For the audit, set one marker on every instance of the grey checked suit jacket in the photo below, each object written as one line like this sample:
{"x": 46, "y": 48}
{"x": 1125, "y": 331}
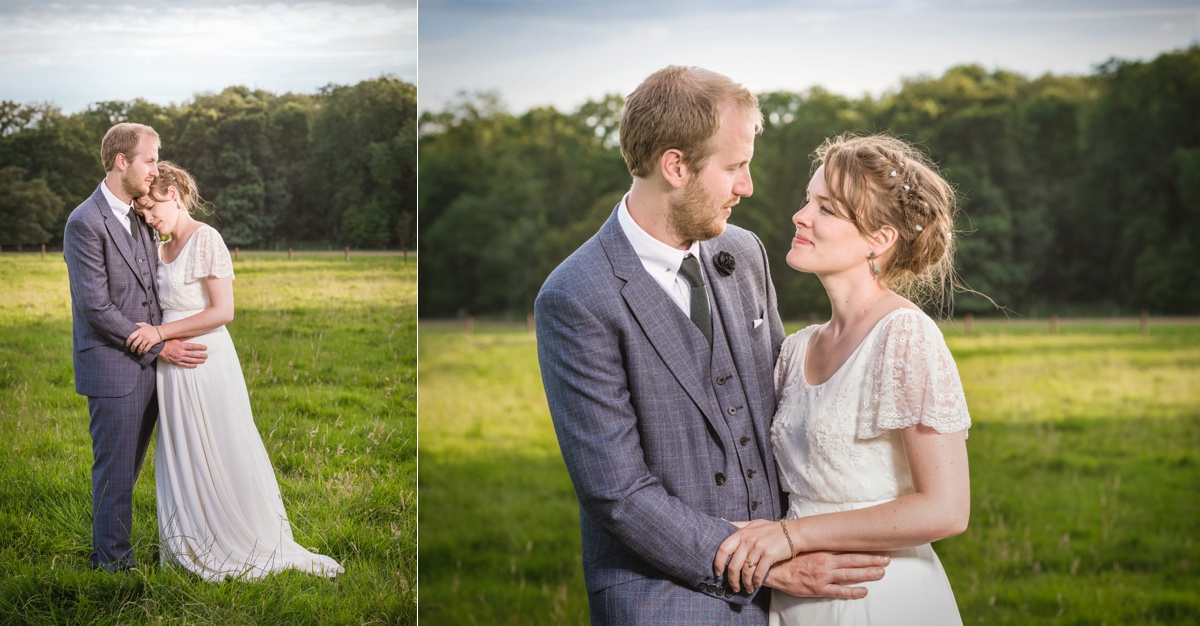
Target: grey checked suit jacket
{"x": 639, "y": 427}
{"x": 110, "y": 292}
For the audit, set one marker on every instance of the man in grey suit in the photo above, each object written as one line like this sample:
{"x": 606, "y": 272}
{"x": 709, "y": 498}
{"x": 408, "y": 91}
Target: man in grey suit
{"x": 657, "y": 341}
{"x": 112, "y": 267}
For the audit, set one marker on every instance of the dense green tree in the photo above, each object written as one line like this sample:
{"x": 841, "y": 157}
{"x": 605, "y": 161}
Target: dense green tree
{"x": 1077, "y": 193}
{"x": 53, "y": 148}
{"x": 29, "y": 210}
{"x": 362, "y": 164}
{"x": 333, "y": 168}
{"x": 1137, "y": 215}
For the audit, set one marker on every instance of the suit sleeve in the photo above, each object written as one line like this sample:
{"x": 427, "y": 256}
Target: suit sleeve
{"x": 588, "y": 393}
{"x": 88, "y": 276}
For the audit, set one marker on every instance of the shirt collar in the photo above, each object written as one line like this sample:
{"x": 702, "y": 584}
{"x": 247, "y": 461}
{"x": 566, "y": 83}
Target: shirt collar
{"x": 115, "y": 203}
{"x": 654, "y": 254}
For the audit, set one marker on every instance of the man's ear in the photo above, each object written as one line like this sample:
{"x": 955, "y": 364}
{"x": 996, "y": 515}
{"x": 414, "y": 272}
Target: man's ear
{"x": 672, "y": 168}
{"x": 121, "y": 161}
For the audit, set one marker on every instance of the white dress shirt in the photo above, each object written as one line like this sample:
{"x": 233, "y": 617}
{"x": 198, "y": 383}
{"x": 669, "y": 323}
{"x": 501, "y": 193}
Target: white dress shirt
{"x": 660, "y": 259}
{"x": 122, "y": 211}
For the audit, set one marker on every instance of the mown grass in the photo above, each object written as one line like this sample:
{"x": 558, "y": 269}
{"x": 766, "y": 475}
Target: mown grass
{"x": 328, "y": 348}
{"x": 1085, "y": 464}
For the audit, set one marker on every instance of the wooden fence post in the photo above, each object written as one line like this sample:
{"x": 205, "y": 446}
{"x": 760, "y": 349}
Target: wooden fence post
{"x": 469, "y": 326}
{"x": 1053, "y": 324}
{"x": 289, "y": 254}
{"x": 236, "y": 251}
{"x": 970, "y": 325}
{"x": 347, "y": 254}
{"x": 43, "y": 251}
{"x": 1145, "y": 322}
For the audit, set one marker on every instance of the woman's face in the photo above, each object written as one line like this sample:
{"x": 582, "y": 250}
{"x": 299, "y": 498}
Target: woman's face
{"x": 161, "y": 216}
{"x": 825, "y": 241}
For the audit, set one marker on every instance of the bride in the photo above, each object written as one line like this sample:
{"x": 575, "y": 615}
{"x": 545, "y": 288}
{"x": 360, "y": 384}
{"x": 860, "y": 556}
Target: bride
{"x": 220, "y": 513}
{"x": 870, "y": 433}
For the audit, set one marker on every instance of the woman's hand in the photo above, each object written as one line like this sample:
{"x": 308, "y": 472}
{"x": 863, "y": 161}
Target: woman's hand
{"x": 141, "y": 340}
{"x": 750, "y": 552}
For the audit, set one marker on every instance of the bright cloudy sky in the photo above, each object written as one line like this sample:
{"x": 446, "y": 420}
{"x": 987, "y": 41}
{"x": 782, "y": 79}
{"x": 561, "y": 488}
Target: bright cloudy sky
{"x": 564, "y": 52}
{"x": 75, "y": 52}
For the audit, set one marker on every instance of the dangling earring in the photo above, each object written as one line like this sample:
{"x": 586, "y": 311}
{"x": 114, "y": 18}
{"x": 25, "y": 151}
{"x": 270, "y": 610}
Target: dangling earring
{"x": 177, "y": 207}
{"x": 874, "y": 267}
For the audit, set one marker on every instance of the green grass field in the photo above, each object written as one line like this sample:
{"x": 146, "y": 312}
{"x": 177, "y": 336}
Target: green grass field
{"x": 1085, "y": 471}
{"x": 328, "y": 348}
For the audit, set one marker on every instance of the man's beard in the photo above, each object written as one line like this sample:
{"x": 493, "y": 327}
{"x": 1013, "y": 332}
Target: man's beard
{"x": 696, "y": 216}
{"x": 132, "y": 185}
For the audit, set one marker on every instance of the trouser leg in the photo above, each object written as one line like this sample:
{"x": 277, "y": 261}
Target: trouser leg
{"x": 120, "y": 429}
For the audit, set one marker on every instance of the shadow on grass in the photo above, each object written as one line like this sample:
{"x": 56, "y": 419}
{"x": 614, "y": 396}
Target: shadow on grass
{"x": 499, "y": 541}
{"x": 1076, "y": 522}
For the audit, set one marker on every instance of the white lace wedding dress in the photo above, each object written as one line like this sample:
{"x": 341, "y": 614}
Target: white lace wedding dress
{"x": 219, "y": 509}
{"x": 839, "y": 448}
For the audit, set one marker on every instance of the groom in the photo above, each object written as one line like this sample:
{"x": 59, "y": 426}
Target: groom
{"x": 112, "y": 267}
{"x": 657, "y": 340}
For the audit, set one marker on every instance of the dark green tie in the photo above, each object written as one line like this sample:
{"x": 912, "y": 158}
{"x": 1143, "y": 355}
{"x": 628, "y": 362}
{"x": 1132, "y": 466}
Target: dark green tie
{"x": 701, "y": 316}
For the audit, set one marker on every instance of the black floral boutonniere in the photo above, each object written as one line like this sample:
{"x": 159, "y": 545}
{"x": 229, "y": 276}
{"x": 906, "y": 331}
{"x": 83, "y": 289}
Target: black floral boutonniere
{"x": 724, "y": 262}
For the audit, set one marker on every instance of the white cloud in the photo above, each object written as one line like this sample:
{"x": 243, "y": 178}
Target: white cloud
{"x": 537, "y": 53}
{"x": 80, "y": 53}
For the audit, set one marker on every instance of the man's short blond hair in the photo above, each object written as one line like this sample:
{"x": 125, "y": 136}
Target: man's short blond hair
{"x": 679, "y": 108}
{"x": 123, "y": 139}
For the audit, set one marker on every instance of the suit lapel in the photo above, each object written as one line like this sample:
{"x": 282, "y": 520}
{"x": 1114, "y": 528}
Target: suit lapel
{"x": 734, "y": 304}
{"x": 658, "y": 317}
{"x": 117, "y": 232}
{"x": 146, "y": 239}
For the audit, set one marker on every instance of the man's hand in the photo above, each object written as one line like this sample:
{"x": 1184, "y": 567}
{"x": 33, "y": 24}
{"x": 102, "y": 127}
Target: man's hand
{"x": 827, "y": 574}
{"x": 187, "y": 355}
{"x": 141, "y": 340}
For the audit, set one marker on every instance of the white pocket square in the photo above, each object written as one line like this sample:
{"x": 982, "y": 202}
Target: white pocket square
{"x": 758, "y": 322}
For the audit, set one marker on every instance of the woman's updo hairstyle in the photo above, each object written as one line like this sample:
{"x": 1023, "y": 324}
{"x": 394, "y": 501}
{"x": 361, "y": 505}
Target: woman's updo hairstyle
{"x": 171, "y": 175}
{"x": 878, "y": 180}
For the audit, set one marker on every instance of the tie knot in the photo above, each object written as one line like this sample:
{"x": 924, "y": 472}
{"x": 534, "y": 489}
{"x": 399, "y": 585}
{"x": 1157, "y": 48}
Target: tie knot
{"x": 690, "y": 270}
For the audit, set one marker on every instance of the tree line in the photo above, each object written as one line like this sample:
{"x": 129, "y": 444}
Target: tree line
{"x": 337, "y": 167}
{"x": 1080, "y": 194}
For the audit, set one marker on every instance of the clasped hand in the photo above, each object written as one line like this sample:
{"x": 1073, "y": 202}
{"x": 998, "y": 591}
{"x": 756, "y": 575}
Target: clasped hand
{"x": 750, "y": 552}
{"x": 141, "y": 340}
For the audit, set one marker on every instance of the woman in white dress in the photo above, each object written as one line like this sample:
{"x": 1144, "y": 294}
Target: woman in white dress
{"x": 870, "y": 433}
{"x": 220, "y": 513}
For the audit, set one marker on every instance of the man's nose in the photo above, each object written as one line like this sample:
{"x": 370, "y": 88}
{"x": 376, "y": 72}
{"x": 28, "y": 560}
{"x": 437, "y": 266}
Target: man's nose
{"x": 744, "y": 186}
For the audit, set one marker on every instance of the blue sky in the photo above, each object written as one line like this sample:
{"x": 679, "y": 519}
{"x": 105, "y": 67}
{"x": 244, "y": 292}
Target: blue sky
{"x": 563, "y": 52}
{"x": 76, "y": 52}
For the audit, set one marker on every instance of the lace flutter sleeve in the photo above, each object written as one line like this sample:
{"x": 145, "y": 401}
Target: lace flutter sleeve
{"x": 209, "y": 256}
{"x": 912, "y": 379}
{"x": 788, "y": 353}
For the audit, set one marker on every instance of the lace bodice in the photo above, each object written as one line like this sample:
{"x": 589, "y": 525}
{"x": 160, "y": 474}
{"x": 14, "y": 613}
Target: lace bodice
{"x": 838, "y": 442}
{"x": 180, "y": 287}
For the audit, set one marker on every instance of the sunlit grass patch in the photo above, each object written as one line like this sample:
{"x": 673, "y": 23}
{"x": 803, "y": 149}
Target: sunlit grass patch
{"x": 328, "y": 348}
{"x": 1085, "y": 459}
